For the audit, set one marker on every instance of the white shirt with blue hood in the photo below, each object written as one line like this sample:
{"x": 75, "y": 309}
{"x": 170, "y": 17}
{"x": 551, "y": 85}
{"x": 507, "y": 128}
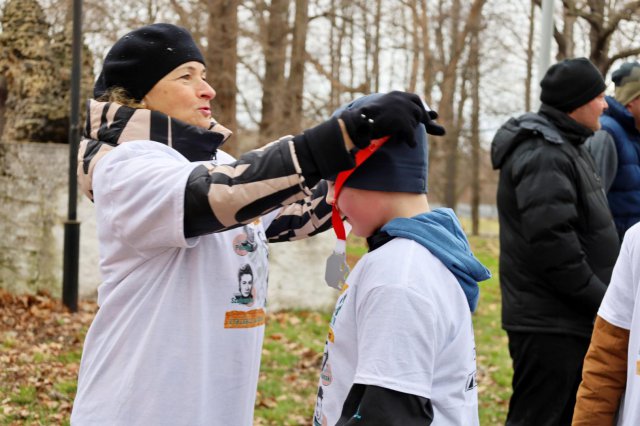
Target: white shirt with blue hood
{"x": 403, "y": 319}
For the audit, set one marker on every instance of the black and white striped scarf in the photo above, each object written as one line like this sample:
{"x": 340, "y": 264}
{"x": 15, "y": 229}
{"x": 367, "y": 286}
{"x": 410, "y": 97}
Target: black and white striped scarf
{"x": 110, "y": 124}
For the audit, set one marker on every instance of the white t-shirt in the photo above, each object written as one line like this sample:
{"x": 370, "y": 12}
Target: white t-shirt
{"x": 621, "y": 307}
{"x": 176, "y": 341}
{"x": 401, "y": 322}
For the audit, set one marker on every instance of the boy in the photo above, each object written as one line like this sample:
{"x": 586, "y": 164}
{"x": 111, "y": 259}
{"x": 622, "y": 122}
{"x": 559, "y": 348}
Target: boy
{"x": 401, "y": 349}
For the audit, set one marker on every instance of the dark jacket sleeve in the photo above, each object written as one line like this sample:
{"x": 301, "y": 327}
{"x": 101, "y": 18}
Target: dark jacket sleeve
{"x": 368, "y": 405}
{"x": 604, "y": 376}
{"x": 603, "y": 150}
{"x": 546, "y": 194}
{"x": 222, "y": 197}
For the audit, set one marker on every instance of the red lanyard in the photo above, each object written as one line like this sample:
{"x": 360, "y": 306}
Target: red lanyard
{"x": 361, "y": 156}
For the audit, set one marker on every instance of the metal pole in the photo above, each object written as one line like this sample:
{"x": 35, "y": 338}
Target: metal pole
{"x": 545, "y": 37}
{"x": 72, "y": 225}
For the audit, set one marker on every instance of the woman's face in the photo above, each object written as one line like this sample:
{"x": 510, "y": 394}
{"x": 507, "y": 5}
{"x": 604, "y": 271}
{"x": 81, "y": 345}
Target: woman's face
{"x": 246, "y": 285}
{"x": 183, "y": 94}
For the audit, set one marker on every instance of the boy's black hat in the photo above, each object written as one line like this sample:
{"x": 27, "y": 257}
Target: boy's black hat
{"x": 143, "y": 57}
{"x": 571, "y": 83}
{"x": 395, "y": 166}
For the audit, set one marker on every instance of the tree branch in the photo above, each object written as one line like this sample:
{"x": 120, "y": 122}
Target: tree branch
{"x": 362, "y": 88}
{"x": 623, "y": 54}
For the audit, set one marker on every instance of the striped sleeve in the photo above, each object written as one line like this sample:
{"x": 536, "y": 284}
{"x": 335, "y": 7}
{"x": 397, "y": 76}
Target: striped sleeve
{"x": 304, "y": 218}
{"x": 221, "y": 197}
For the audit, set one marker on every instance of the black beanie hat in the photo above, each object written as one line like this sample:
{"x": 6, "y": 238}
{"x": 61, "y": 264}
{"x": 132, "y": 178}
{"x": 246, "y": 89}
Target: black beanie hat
{"x": 571, "y": 83}
{"x": 143, "y": 57}
{"x": 395, "y": 166}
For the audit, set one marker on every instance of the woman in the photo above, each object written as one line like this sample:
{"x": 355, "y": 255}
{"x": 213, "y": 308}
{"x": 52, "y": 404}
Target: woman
{"x": 168, "y": 346}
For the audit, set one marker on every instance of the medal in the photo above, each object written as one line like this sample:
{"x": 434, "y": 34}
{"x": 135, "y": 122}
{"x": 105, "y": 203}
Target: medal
{"x": 337, "y": 269}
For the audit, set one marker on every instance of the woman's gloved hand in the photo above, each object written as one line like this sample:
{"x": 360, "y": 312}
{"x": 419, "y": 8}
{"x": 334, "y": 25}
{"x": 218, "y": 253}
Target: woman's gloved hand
{"x": 394, "y": 114}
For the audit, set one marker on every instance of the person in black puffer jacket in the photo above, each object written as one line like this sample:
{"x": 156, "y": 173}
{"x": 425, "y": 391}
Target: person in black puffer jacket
{"x": 558, "y": 241}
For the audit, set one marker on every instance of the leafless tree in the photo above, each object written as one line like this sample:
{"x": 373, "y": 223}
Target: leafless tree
{"x": 222, "y": 57}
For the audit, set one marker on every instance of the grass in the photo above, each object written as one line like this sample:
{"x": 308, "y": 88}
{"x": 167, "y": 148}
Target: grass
{"x": 493, "y": 361}
{"x": 289, "y": 372}
{"x": 38, "y": 381}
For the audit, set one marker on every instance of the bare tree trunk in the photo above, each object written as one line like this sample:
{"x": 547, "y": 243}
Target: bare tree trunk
{"x": 529, "y": 77}
{"x": 427, "y": 65}
{"x": 3, "y": 101}
{"x": 367, "y": 43}
{"x": 275, "y": 60}
{"x": 375, "y": 53}
{"x": 352, "y": 43}
{"x": 567, "y": 47}
{"x": 415, "y": 46}
{"x": 337, "y": 38}
{"x": 222, "y": 60}
{"x": 448, "y": 88}
{"x": 597, "y": 37}
{"x": 474, "y": 65}
{"x": 295, "y": 86}
{"x": 437, "y": 154}
{"x": 333, "y": 95}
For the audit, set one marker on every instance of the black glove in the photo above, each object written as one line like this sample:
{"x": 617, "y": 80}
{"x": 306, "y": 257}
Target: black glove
{"x": 395, "y": 114}
{"x": 358, "y": 126}
{"x": 432, "y": 127}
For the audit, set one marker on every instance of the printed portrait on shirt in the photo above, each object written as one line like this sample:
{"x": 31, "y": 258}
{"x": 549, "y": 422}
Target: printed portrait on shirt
{"x": 318, "y": 418}
{"x": 246, "y": 291}
{"x": 325, "y": 368}
{"x": 251, "y": 244}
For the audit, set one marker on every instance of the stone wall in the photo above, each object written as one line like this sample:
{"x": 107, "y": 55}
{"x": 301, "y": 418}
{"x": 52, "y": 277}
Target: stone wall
{"x": 296, "y": 278}
{"x": 33, "y": 209}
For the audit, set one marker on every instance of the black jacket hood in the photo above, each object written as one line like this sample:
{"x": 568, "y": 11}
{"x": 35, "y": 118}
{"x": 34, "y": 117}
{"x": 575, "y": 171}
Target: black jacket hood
{"x": 515, "y": 130}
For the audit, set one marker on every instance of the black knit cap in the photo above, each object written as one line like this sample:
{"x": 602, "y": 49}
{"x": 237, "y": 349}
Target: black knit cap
{"x": 571, "y": 83}
{"x": 395, "y": 166}
{"x": 143, "y": 57}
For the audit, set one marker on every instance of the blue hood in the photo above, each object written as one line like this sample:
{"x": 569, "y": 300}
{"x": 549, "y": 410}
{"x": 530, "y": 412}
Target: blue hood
{"x": 439, "y": 231}
{"x": 619, "y": 113}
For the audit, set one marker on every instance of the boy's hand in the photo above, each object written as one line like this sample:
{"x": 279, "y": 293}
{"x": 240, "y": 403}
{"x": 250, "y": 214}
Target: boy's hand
{"x": 395, "y": 114}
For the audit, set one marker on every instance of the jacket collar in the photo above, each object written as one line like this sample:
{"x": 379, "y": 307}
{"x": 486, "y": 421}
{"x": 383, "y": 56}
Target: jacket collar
{"x": 113, "y": 124}
{"x": 110, "y": 124}
{"x": 569, "y": 129}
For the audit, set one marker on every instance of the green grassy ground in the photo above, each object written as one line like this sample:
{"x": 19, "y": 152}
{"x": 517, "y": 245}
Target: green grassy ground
{"x": 494, "y": 363}
{"x": 40, "y": 348}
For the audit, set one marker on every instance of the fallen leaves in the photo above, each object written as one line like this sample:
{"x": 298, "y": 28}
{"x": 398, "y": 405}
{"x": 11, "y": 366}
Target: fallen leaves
{"x": 41, "y": 343}
{"x": 40, "y": 346}
{"x": 290, "y": 367}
